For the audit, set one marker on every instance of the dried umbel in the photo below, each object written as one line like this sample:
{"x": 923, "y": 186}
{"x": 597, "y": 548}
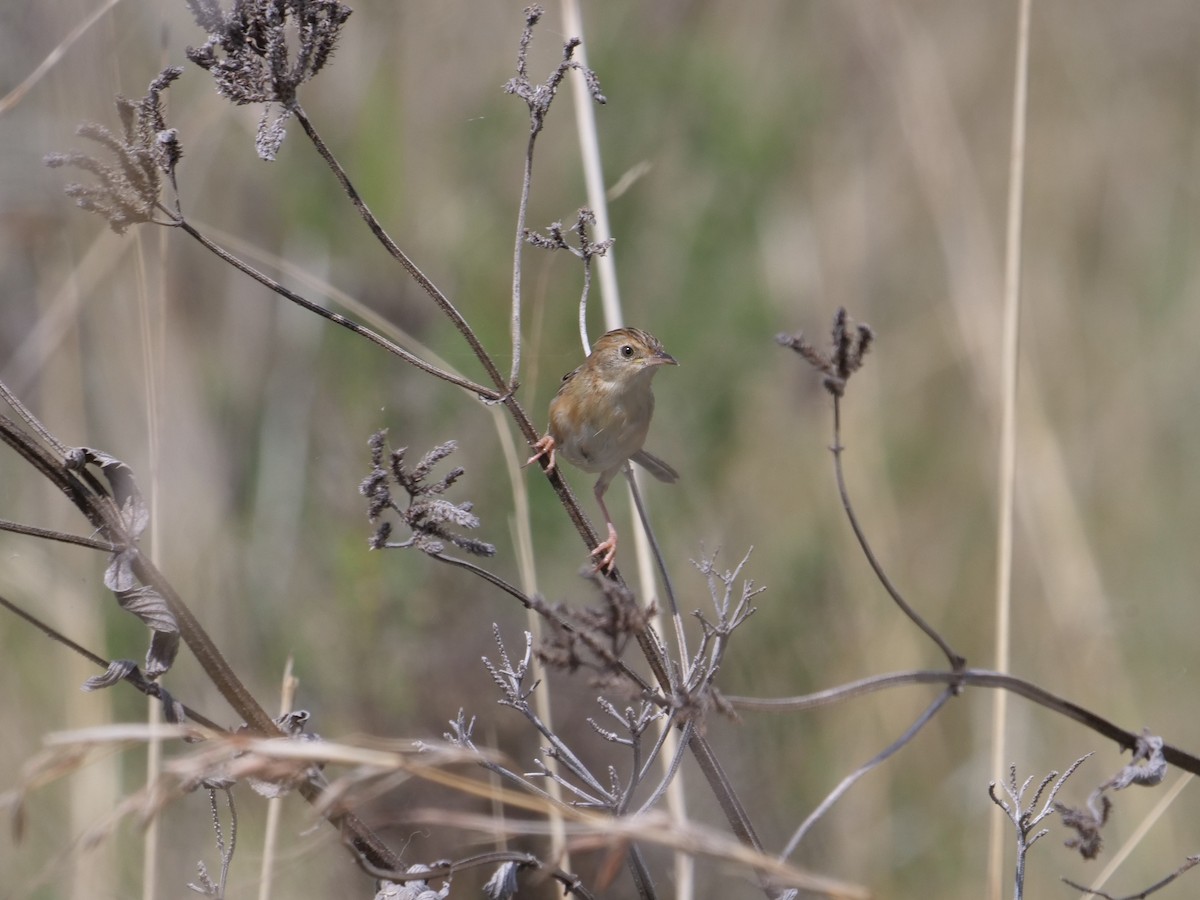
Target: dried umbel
{"x": 850, "y": 342}
{"x": 261, "y": 51}
{"x": 129, "y": 187}
{"x": 429, "y": 516}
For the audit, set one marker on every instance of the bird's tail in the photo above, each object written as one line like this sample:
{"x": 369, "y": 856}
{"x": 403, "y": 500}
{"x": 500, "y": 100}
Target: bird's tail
{"x": 655, "y": 466}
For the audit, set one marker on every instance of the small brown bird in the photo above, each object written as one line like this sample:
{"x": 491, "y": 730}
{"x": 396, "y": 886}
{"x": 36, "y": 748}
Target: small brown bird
{"x": 601, "y": 413}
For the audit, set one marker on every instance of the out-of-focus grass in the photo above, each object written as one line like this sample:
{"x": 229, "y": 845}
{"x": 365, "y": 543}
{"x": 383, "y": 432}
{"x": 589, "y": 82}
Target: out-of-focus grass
{"x": 800, "y": 157}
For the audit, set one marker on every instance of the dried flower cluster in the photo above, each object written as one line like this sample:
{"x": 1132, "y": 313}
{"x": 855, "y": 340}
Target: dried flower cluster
{"x": 555, "y": 238}
{"x": 594, "y": 637}
{"x": 850, "y": 344}
{"x": 1147, "y": 768}
{"x": 538, "y": 97}
{"x": 147, "y": 149}
{"x": 427, "y": 514}
{"x": 261, "y": 51}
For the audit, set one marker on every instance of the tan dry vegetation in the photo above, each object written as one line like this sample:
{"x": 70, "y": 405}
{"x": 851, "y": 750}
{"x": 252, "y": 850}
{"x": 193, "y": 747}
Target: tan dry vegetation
{"x": 800, "y": 157}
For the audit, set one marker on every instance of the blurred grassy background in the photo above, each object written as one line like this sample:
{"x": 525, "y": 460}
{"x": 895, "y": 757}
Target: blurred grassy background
{"x": 798, "y": 156}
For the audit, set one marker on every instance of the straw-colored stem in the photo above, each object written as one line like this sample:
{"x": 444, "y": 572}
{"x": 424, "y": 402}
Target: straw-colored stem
{"x": 610, "y": 299}
{"x": 1008, "y": 430}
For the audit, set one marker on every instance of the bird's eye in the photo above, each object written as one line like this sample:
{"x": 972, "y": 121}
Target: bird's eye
{"x": 627, "y": 351}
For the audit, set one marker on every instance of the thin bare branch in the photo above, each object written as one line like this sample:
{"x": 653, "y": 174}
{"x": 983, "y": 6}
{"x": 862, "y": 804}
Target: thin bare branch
{"x": 956, "y": 660}
{"x": 849, "y": 781}
{"x": 338, "y": 319}
{"x": 1125, "y": 739}
{"x": 1145, "y": 892}
{"x": 377, "y": 229}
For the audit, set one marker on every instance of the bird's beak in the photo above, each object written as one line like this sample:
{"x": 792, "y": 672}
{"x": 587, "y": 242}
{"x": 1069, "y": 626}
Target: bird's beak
{"x": 662, "y": 358}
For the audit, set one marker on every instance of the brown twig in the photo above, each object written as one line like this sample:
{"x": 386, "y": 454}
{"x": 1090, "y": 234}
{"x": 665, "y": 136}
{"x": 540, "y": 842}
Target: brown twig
{"x": 956, "y": 661}
{"x": 401, "y": 257}
{"x": 969, "y": 677}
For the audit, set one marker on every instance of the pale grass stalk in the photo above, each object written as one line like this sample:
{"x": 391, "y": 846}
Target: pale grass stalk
{"x": 610, "y": 299}
{"x": 153, "y": 833}
{"x": 95, "y": 791}
{"x": 1139, "y": 833}
{"x": 67, "y": 751}
{"x": 150, "y": 342}
{"x": 1010, "y": 346}
{"x": 57, "y": 318}
{"x": 522, "y": 536}
{"x": 523, "y": 542}
{"x": 597, "y": 831}
{"x": 48, "y": 356}
{"x": 593, "y": 171}
{"x": 287, "y": 698}
{"x": 17, "y": 94}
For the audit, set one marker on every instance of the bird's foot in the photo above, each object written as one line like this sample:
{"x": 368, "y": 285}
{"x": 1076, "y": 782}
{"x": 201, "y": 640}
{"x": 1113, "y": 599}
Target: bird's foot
{"x": 607, "y": 551}
{"x": 545, "y": 446}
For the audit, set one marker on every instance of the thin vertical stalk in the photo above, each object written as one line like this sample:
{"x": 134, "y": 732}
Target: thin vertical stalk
{"x": 593, "y": 171}
{"x": 150, "y": 342}
{"x": 542, "y": 698}
{"x": 1008, "y": 430}
{"x": 266, "y": 872}
{"x": 610, "y": 299}
{"x": 522, "y": 212}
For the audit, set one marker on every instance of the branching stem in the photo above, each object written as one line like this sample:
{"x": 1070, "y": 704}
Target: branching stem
{"x": 956, "y": 661}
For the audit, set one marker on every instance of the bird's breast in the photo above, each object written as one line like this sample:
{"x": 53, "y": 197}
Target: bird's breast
{"x": 607, "y": 432}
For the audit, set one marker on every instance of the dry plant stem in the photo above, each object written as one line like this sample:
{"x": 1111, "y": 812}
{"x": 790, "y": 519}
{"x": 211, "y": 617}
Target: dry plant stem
{"x": 31, "y": 420}
{"x": 354, "y": 830}
{"x": 135, "y": 678}
{"x": 1008, "y": 426}
{"x": 51, "y": 469}
{"x": 522, "y": 210}
{"x": 849, "y": 781}
{"x": 731, "y": 804}
{"x": 583, "y": 304}
{"x": 956, "y": 661}
{"x": 1026, "y": 820}
{"x": 1139, "y": 834}
{"x": 360, "y": 330}
{"x": 641, "y": 874}
{"x": 710, "y": 767}
{"x": 17, "y": 94}
{"x": 671, "y": 769}
{"x": 668, "y": 588}
{"x": 593, "y": 170}
{"x": 718, "y": 781}
{"x": 215, "y": 666}
{"x": 1142, "y": 894}
{"x": 62, "y": 536}
{"x": 1125, "y": 739}
{"x": 152, "y": 377}
{"x": 591, "y": 832}
{"x": 400, "y": 256}
{"x": 226, "y": 851}
{"x": 287, "y": 701}
{"x": 543, "y": 609}
{"x": 98, "y": 509}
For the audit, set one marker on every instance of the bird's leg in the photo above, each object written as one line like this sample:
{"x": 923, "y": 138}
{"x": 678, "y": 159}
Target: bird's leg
{"x": 607, "y": 549}
{"x": 544, "y": 446}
